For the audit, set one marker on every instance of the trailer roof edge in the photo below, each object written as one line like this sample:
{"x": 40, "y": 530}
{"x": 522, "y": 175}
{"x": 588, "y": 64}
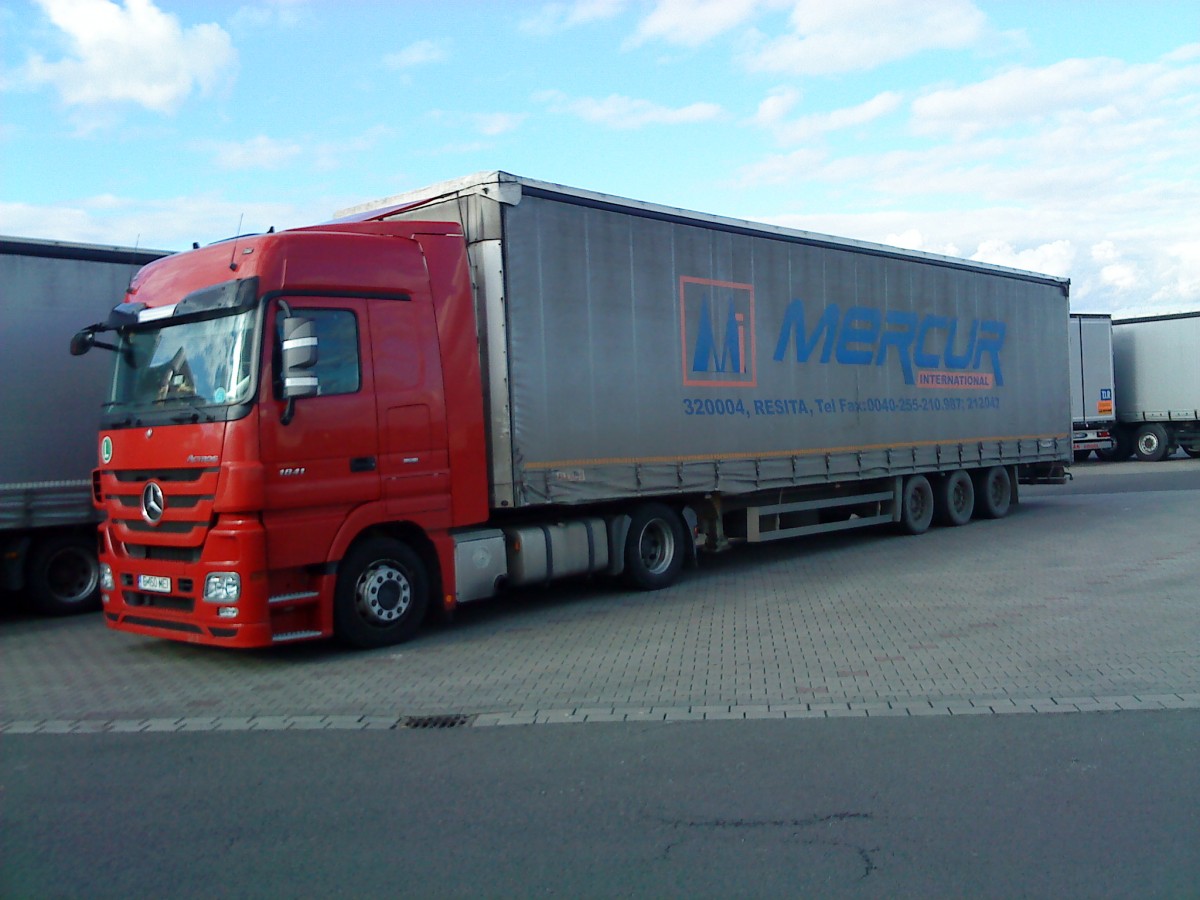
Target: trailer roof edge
{"x": 479, "y": 182}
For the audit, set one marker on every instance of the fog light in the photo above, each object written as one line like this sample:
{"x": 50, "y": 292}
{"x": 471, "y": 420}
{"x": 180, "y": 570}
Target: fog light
{"x": 223, "y": 587}
{"x": 104, "y": 598}
{"x": 227, "y": 612}
{"x": 106, "y": 578}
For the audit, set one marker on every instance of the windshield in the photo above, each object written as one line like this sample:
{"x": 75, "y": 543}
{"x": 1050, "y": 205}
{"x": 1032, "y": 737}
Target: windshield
{"x": 205, "y": 363}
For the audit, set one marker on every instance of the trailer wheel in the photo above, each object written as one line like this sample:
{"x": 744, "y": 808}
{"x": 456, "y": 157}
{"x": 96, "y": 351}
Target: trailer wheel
{"x": 955, "y": 500}
{"x": 1151, "y": 443}
{"x": 994, "y": 490}
{"x": 64, "y": 576}
{"x": 1193, "y": 452}
{"x": 382, "y": 594}
{"x": 654, "y": 547}
{"x": 916, "y": 513}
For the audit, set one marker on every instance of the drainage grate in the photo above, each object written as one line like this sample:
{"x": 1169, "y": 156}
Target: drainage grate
{"x": 451, "y": 721}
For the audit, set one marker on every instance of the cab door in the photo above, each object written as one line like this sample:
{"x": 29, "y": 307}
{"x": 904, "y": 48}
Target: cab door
{"x": 414, "y": 459}
{"x": 324, "y": 462}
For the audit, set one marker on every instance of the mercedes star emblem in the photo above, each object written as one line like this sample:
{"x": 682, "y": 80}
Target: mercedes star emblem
{"x": 153, "y": 503}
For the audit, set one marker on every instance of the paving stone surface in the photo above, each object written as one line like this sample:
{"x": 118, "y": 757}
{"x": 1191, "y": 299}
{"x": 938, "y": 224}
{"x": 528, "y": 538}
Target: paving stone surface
{"x": 1077, "y": 602}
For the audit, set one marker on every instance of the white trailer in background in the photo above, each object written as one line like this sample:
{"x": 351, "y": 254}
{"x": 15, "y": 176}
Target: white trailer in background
{"x": 1157, "y": 365}
{"x": 1092, "y": 412}
{"x": 49, "y": 413}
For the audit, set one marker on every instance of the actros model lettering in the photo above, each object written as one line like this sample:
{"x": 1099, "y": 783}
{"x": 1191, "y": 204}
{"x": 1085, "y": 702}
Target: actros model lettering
{"x": 864, "y": 336}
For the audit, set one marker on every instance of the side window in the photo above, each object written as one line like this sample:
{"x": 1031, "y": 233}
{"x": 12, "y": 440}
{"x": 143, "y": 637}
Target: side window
{"x": 337, "y": 367}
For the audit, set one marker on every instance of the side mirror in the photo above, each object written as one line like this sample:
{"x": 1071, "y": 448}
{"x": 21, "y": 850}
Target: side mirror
{"x": 82, "y": 342}
{"x": 298, "y": 357}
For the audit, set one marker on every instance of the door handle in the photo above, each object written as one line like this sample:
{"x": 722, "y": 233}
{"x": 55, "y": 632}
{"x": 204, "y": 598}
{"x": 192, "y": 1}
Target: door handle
{"x": 362, "y": 464}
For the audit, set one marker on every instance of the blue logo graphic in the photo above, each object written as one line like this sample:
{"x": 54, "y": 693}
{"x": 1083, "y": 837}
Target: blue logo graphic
{"x": 717, "y": 331}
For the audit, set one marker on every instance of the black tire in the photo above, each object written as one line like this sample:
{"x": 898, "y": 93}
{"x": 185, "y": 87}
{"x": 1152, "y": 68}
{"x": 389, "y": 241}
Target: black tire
{"x": 993, "y": 493}
{"x": 382, "y": 594}
{"x": 1193, "y": 452}
{"x": 654, "y": 547}
{"x": 954, "y": 502}
{"x": 1122, "y": 447}
{"x": 1152, "y": 443}
{"x": 64, "y": 576}
{"x": 916, "y": 512}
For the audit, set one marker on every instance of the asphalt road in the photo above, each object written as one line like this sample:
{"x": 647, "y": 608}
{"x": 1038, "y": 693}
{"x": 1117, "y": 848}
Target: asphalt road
{"x": 1097, "y": 805}
{"x": 873, "y": 790}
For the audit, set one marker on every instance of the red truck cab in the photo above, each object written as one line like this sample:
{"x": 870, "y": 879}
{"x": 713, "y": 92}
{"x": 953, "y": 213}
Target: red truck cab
{"x": 295, "y": 418}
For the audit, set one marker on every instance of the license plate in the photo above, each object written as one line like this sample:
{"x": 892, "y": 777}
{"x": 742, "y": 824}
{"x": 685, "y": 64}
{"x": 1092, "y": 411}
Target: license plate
{"x": 156, "y": 583}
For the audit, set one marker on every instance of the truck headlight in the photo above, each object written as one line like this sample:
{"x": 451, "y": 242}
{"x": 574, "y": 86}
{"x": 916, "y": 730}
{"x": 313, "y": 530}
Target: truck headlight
{"x": 223, "y": 587}
{"x": 106, "y": 578}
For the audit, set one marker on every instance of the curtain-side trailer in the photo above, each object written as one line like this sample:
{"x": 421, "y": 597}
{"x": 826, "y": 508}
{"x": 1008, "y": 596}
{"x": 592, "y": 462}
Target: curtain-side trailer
{"x": 500, "y": 382}
{"x": 49, "y": 415}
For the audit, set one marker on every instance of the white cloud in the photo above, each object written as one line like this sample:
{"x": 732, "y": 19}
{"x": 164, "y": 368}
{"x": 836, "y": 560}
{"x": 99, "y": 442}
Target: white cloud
{"x": 616, "y": 111}
{"x": 329, "y": 155}
{"x": 271, "y": 14}
{"x": 269, "y": 154}
{"x": 808, "y": 127}
{"x": 418, "y": 54}
{"x": 256, "y": 153}
{"x": 131, "y": 53}
{"x": 493, "y": 124}
{"x": 1120, "y": 276}
{"x": 1054, "y": 258}
{"x": 786, "y": 168}
{"x": 168, "y": 224}
{"x": 554, "y": 18}
{"x": 1098, "y": 92}
{"x": 777, "y": 104}
{"x": 861, "y": 35}
{"x": 1085, "y": 168}
{"x": 1184, "y": 54}
{"x": 1147, "y": 273}
{"x": 693, "y": 22}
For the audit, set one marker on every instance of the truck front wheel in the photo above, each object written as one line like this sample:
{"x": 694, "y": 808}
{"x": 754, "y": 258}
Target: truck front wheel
{"x": 654, "y": 547}
{"x": 916, "y": 511}
{"x": 382, "y": 594}
{"x": 1152, "y": 443}
{"x": 64, "y": 576}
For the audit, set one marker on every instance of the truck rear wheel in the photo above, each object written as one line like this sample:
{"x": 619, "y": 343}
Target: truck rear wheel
{"x": 916, "y": 513}
{"x": 955, "y": 500}
{"x": 64, "y": 576}
{"x": 993, "y": 489}
{"x": 1152, "y": 443}
{"x": 1193, "y": 452}
{"x": 654, "y": 547}
{"x": 382, "y": 594}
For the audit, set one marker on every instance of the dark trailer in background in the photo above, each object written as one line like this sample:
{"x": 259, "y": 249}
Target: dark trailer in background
{"x": 49, "y": 412}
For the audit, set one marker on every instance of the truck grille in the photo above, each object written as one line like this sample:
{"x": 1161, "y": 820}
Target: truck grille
{"x": 188, "y": 496}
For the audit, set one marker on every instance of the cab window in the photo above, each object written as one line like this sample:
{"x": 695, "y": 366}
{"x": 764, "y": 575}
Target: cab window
{"x": 338, "y": 367}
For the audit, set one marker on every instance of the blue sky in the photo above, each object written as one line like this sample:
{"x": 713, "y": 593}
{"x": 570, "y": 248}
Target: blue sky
{"x": 1057, "y": 136}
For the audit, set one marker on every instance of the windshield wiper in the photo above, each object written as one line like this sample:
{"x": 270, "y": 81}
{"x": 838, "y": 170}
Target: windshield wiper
{"x": 199, "y": 408}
